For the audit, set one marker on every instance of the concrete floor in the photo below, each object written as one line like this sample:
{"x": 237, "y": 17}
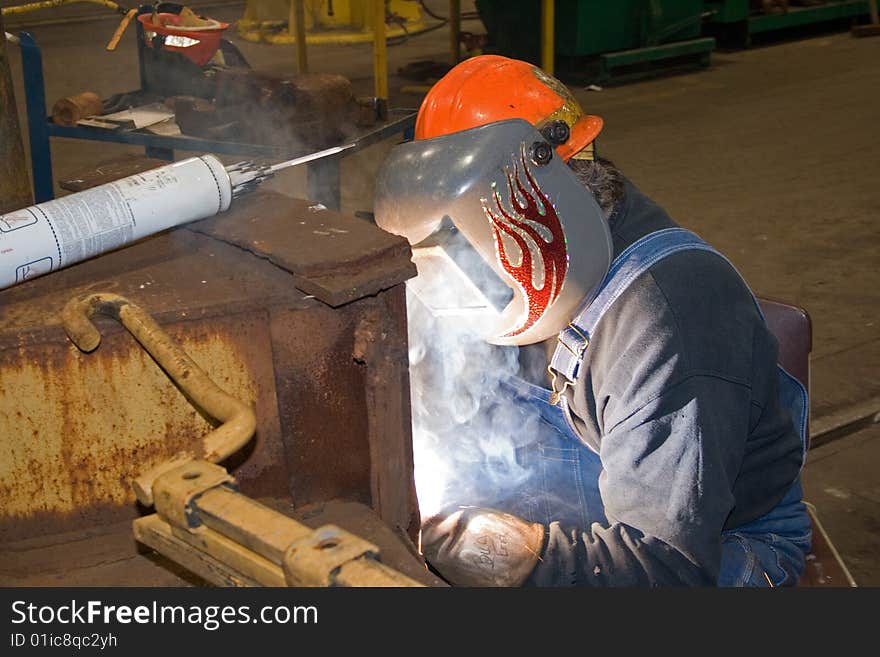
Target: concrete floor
{"x": 770, "y": 154}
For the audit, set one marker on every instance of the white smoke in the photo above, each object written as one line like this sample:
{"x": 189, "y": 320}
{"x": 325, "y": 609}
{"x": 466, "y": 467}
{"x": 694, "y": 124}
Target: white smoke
{"x": 467, "y": 424}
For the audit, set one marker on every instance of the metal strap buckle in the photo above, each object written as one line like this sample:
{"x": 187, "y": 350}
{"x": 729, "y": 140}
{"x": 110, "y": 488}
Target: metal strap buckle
{"x": 556, "y": 395}
{"x": 580, "y": 352}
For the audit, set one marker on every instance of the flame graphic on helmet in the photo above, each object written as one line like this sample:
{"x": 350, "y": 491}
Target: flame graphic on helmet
{"x": 532, "y": 223}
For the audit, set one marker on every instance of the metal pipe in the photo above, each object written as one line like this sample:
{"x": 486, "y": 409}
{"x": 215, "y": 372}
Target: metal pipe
{"x": 380, "y": 56}
{"x": 297, "y": 28}
{"x": 239, "y": 421}
{"x": 548, "y": 46}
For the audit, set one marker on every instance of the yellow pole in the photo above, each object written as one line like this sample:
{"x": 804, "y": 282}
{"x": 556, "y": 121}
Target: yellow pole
{"x": 454, "y": 29}
{"x": 48, "y": 4}
{"x": 380, "y": 56}
{"x": 297, "y": 27}
{"x": 548, "y": 9}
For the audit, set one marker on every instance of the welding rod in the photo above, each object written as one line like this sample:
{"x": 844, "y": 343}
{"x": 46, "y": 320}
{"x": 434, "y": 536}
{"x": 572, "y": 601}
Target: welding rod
{"x": 327, "y": 152}
{"x": 247, "y": 176}
{"x": 46, "y": 237}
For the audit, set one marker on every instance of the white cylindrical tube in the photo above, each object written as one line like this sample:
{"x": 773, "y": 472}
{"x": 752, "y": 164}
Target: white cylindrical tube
{"x": 46, "y": 237}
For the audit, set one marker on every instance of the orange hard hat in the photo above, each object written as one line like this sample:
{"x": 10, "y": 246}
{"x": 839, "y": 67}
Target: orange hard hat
{"x": 490, "y": 88}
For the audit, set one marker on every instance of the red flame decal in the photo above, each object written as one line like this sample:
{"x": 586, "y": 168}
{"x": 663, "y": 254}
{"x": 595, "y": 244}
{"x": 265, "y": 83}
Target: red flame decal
{"x": 521, "y": 224}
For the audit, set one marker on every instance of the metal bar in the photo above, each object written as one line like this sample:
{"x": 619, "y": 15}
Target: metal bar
{"x": 239, "y": 421}
{"x": 401, "y": 125}
{"x": 245, "y": 521}
{"x": 268, "y": 535}
{"x": 548, "y": 34}
{"x": 223, "y": 561}
{"x": 38, "y": 125}
{"x": 296, "y": 26}
{"x": 218, "y": 548}
{"x": 380, "y": 56}
{"x": 184, "y": 143}
{"x": 311, "y": 157}
{"x": 170, "y": 143}
{"x": 371, "y": 574}
{"x": 454, "y": 30}
{"x": 154, "y": 532}
{"x": 796, "y": 16}
{"x": 676, "y": 49}
{"x": 141, "y": 45}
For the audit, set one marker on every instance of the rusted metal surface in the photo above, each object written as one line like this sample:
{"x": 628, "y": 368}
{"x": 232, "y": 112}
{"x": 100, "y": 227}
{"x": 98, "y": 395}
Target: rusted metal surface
{"x": 347, "y": 258}
{"x": 324, "y": 417}
{"x": 15, "y": 186}
{"x": 238, "y": 420}
{"x": 74, "y": 428}
{"x": 380, "y": 348}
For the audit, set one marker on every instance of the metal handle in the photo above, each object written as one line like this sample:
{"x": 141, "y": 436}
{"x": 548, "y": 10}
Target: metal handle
{"x": 239, "y": 421}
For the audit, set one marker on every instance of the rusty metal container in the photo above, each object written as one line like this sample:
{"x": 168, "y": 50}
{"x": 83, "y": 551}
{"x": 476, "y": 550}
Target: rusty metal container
{"x": 295, "y": 309}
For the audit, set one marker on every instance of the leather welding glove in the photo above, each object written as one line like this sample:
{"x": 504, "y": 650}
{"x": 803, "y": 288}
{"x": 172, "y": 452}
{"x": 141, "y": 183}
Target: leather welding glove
{"x": 474, "y": 546}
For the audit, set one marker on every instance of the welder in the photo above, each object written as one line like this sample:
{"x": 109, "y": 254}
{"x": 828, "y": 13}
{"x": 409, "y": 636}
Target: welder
{"x": 670, "y": 444}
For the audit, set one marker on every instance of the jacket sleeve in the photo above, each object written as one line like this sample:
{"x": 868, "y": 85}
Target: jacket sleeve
{"x": 669, "y": 468}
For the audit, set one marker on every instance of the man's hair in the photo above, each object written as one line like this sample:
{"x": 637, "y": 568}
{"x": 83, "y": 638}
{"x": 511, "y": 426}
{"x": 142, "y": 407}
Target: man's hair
{"x": 603, "y": 179}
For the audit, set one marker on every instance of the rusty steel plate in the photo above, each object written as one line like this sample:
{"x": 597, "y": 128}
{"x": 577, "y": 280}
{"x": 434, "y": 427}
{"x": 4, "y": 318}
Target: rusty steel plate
{"x": 251, "y": 298}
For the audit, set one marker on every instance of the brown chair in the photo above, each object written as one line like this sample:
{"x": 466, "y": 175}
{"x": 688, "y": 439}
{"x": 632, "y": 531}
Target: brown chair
{"x": 793, "y": 329}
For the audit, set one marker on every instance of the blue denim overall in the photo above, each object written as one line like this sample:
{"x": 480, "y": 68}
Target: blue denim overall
{"x": 563, "y": 484}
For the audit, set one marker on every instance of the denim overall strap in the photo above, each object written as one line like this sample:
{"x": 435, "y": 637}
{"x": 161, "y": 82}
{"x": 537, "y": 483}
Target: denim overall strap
{"x": 628, "y": 266}
{"x": 769, "y": 550}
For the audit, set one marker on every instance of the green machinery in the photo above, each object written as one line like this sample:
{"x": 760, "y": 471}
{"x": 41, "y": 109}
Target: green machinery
{"x": 600, "y": 40}
{"x": 739, "y": 22}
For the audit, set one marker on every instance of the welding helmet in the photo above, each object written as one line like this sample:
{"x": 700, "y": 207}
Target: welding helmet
{"x": 501, "y": 229}
{"x": 491, "y": 88}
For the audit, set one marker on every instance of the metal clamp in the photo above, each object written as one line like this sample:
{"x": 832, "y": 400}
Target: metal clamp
{"x": 316, "y": 559}
{"x": 175, "y": 491}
